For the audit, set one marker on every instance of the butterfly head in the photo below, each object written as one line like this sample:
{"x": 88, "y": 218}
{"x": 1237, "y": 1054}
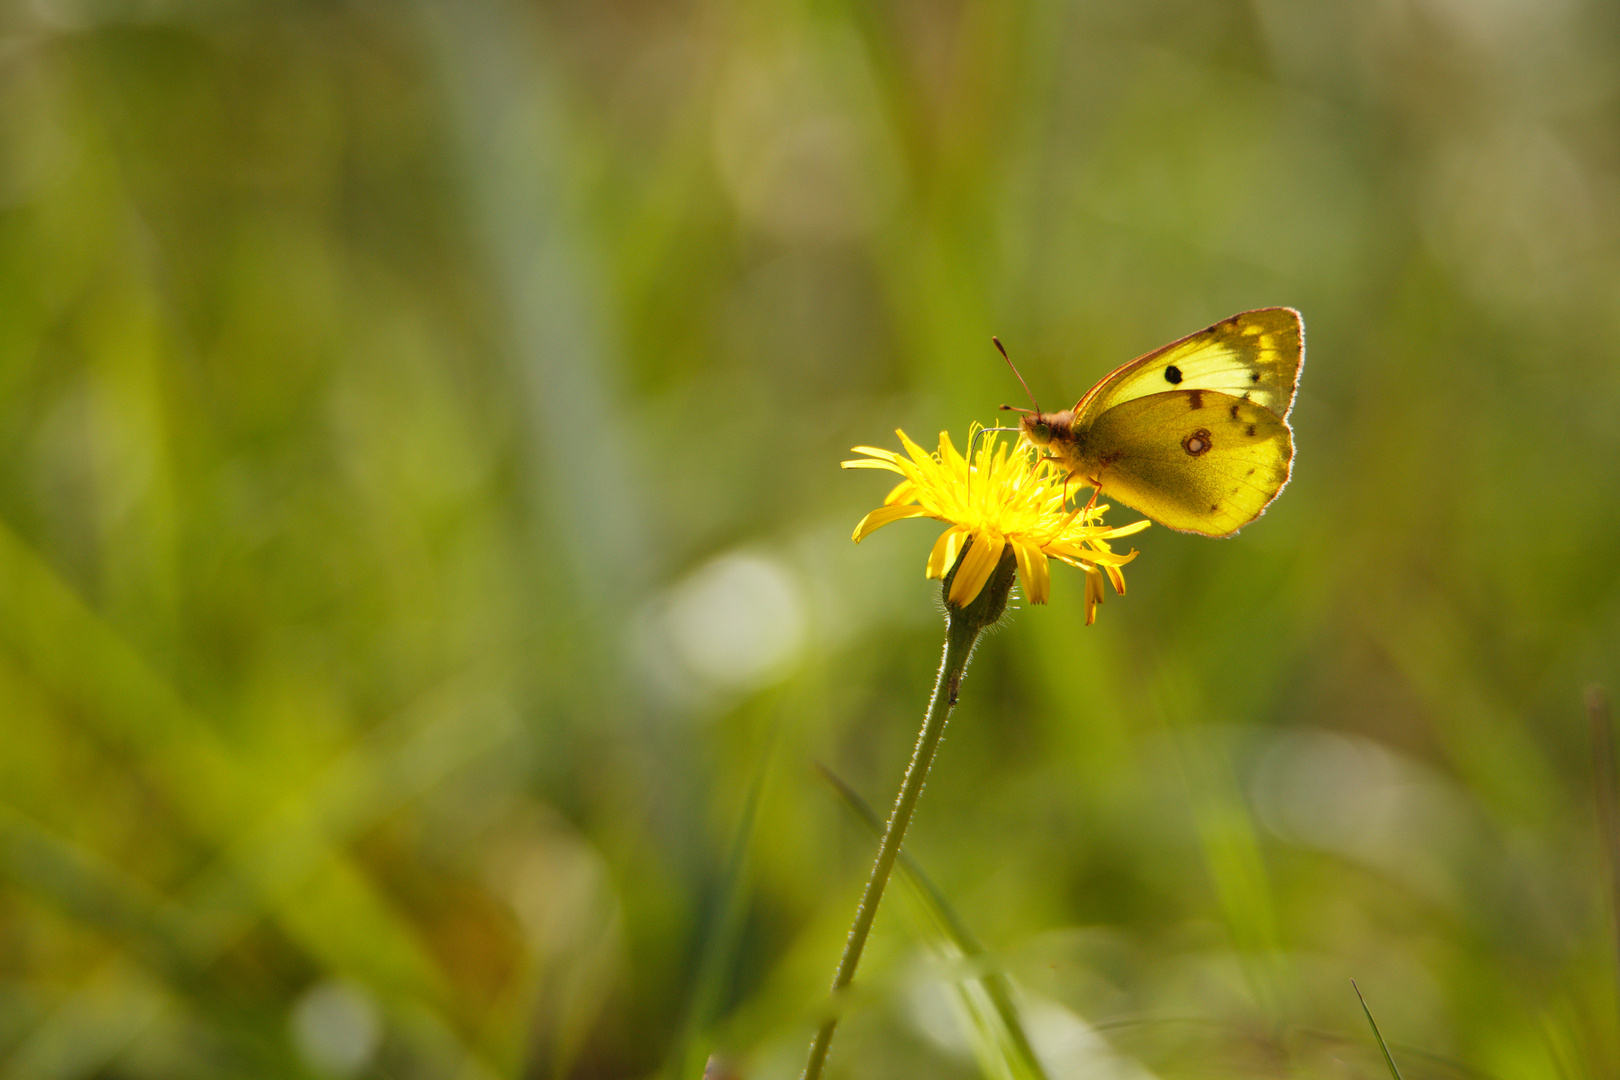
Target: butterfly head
{"x": 1043, "y": 429}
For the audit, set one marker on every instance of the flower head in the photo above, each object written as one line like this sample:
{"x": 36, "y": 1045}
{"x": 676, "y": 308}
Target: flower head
{"x": 1003, "y": 500}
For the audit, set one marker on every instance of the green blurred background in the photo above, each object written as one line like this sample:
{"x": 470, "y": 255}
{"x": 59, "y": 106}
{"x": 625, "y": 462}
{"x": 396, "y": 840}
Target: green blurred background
{"x": 425, "y": 577}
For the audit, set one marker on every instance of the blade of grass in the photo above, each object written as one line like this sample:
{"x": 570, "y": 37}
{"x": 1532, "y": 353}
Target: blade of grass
{"x": 1388, "y": 1060}
{"x": 994, "y": 988}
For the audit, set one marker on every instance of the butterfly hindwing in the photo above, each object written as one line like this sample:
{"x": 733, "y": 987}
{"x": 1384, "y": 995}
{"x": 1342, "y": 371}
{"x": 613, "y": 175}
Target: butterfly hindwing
{"x": 1254, "y": 356}
{"x": 1196, "y": 460}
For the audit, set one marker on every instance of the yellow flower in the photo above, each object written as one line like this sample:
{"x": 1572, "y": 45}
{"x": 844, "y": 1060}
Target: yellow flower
{"x": 1003, "y": 499}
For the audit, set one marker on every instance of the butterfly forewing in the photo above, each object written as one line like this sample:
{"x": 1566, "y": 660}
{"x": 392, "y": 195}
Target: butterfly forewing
{"x": 1254, "y": 356}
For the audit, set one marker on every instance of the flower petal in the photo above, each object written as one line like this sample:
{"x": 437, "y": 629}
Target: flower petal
{"x": 918, "y": 454}
{"x": 946, "y": 548}
{"x": 1094, "y": 596}
{"x": 904, "y": 492}
{"x": 1079, "y": 552}
{"x": 1127, "y": 530}
{"x": 882, "y": 516}
{"x": 868, "y": 463}
{"x": 1034, "y": 570}
{"x": 976, "y": 567}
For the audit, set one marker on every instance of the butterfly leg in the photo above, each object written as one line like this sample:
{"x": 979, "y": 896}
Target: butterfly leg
{"x": 1096, "y": 490}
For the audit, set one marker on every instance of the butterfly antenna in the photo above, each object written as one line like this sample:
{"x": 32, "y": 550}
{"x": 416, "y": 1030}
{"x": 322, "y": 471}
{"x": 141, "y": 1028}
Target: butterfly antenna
{"x": 1002, "y": 350}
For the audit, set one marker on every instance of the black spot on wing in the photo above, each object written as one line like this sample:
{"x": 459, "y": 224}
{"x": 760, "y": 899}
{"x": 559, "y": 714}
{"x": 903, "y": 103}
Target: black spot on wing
{"x": 1196, "y": 397}
{"x": 1234, "y": 410}
{"x": 1172, "y": 375}
{"x": 1251, "y": 431}
{"x": 1254, "y": 376}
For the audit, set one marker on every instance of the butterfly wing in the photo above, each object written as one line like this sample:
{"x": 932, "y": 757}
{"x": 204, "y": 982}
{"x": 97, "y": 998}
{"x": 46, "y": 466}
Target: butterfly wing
{"x": 1195, "y": 460}
{"x": 1255, "y": 356}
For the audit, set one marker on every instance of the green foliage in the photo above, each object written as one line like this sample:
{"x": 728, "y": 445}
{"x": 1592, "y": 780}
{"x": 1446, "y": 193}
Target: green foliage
{"x": 420, "y": 517}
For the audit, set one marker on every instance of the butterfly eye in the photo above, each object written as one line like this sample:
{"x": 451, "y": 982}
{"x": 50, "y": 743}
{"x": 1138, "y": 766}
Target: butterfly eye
{"x": 1041, "y": 430}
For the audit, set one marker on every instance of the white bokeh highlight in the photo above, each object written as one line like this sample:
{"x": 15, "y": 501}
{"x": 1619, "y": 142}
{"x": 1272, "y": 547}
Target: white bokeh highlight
{"x": 736, "y": 624}
{"x": 336, "y": 1027}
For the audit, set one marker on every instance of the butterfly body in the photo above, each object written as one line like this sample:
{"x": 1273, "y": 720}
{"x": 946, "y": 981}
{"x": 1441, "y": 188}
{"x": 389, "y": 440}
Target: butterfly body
{"x": 1195, "y": 434}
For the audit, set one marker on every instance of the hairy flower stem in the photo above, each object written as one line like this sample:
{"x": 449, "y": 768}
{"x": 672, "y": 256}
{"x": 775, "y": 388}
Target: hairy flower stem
{"x": 962, "y": 629}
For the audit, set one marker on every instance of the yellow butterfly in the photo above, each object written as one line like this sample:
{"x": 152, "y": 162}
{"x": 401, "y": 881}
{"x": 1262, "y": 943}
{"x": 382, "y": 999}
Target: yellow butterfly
{"x": 1195, "y": 434}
